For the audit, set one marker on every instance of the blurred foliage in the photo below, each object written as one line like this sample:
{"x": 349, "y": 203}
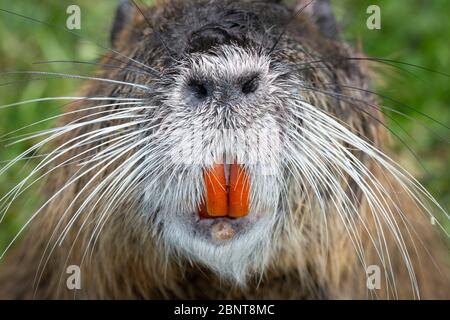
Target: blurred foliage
{"x": 413, "y": 31}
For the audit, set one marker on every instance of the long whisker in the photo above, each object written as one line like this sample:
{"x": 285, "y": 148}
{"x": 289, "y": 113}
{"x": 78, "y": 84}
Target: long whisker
{"x": 5, "y": 137}
{"x": 379, "y": 121}
{"x": 398, "y": 103}
{"x": 76, "y": 35}
{"x": 376, "y": 59}
{"x": 68, "y": 98}
{"x": 106, "y": 66}
{"x": 379, "y": 199}
{"x": 75, "y": 76}
{"x": 121, "y": 152}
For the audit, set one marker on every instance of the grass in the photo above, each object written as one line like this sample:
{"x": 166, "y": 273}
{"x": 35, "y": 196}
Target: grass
{"x": 412, "y": 31}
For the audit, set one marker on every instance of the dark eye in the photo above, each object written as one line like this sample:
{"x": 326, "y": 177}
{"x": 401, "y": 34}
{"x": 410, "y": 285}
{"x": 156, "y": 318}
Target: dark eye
{"x": 250, "y": 85}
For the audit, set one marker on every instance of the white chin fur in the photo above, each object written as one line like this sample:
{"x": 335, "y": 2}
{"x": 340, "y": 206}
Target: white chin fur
{"x": 246, "y": 254}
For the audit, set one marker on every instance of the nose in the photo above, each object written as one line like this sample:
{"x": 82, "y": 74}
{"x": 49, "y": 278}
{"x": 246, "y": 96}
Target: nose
{"x": 201, "y": 90}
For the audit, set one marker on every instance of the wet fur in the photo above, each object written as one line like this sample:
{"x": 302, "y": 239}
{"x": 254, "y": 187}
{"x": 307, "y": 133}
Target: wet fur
{"x": 129, "y": 262}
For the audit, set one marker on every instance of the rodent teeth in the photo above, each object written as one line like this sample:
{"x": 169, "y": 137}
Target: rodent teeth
{"x": 216, "y": 191}
{"x": 239, "y": 194}
{"x": 227, "y": 192}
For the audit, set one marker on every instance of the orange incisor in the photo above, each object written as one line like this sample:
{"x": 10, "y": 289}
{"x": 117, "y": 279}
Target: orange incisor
{"x": 222, "y": 198}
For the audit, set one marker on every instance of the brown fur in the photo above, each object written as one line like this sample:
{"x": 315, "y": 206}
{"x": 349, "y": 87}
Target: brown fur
{"x": 127, "y": 263}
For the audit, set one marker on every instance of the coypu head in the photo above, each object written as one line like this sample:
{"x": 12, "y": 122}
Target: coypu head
{"x": 237, "y": 134}
{"x": 243, "y": 123}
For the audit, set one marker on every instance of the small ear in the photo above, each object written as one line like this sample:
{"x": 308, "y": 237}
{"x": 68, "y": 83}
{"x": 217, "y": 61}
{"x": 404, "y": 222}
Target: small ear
{"x": 124, "y": 14}
{"x": 321, "y": 12}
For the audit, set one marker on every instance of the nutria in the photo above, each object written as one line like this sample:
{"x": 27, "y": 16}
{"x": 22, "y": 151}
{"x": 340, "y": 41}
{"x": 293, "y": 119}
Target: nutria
{"x": 227, "y": 149}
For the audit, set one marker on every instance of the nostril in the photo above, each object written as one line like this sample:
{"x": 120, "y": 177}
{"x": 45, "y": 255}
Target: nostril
{"x": 250, "y": 85}
{"x": 199, "y": 89}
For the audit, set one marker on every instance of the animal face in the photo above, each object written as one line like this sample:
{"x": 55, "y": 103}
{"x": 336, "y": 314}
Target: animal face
{"x": 230, "y": 133}
{"x": 241, "y": 128}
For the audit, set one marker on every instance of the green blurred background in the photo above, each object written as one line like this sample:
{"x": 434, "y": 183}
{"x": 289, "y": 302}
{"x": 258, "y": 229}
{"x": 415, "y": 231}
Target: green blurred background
{"x": 413, "y": 31}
